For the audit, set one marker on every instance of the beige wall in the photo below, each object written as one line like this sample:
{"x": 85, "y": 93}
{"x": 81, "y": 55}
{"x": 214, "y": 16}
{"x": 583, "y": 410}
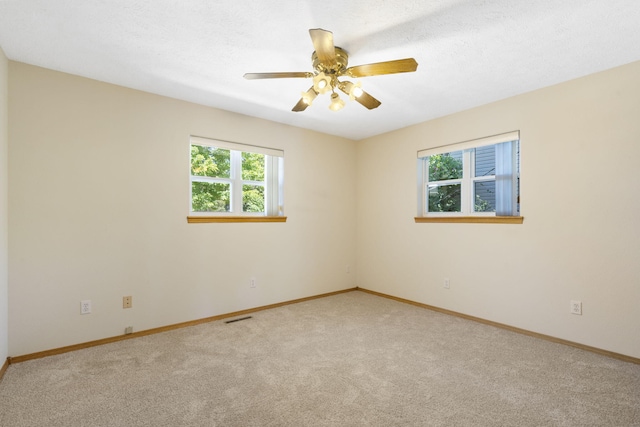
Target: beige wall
{"x": 580, "y": 145}
{"x": 98, "y": 197}
{"x": 98, "y": 201}
{"x": 4, "y": 189}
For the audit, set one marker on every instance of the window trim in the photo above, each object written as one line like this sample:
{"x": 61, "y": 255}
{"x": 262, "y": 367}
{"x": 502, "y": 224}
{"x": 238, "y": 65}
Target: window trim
{"x": 273, "y": 184}
{"x": 234, "y": 219}
{"x": 479, "y": 219}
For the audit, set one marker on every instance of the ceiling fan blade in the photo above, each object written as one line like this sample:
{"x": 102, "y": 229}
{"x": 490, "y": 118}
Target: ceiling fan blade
{"x": 323, "y": 43}
{"x": 389, "y": 67}
{"x": 364, "y": 99}
{"x": 285, "y": 75}
{"x": 368, "y": 101}
{"x": 302, "y": 105}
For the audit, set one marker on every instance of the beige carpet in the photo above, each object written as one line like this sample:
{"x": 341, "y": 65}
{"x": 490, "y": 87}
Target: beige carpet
{"x": 352, "y": 359}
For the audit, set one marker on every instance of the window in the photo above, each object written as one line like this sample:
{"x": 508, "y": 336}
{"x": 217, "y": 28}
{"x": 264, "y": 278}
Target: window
{"x": 230, "y": 179}
{"x": 472, "y": 178}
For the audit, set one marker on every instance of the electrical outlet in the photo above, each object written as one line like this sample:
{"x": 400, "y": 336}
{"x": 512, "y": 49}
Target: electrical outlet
{"x": 252, "y": 283}
{"x": 126, "y": 302}
{"x": 128, "y": 330}
{"x": 85, "y": 306}
{"x": 347, "y": 269}
{"x": 447, "y": 283}
{"x": 576, "y": 307}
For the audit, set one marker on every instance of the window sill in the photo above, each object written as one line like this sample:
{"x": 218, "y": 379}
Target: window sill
{"x": 207, "y": 219}
{"x": 472, "y": 219}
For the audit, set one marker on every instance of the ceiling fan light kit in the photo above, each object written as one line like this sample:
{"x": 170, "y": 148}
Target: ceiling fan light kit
{"x": 330, "y": 62}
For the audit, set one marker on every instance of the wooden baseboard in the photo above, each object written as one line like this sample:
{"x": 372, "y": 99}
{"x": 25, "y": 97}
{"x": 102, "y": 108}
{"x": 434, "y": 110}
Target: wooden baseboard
{"x": 61, "y": 350}
{"x": 600, "y": 351}
{"x": 4, "y": 367}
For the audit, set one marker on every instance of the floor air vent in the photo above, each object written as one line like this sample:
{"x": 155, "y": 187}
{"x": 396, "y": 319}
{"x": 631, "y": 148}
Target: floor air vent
{"x": 237, "y": 320}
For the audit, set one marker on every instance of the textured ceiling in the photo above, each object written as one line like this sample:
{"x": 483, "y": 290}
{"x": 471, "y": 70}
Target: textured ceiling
{"x": 469, "y": 52}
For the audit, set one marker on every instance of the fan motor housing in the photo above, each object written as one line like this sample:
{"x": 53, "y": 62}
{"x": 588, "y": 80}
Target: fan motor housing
{"x": 342, "y": 59}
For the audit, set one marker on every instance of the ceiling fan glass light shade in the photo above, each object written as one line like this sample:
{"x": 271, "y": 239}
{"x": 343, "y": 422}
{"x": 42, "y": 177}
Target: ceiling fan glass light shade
{"x": 322, "y": 83}
{"x": 355, "y": 91}
{"x": 309, "y": 96}
{"x": 336, "y": 103}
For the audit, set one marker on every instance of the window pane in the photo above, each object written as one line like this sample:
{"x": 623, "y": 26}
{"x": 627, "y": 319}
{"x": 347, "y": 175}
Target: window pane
{"x": 485, "y": 160}
{"x": 210, "y": 197}
{"x": 444, "y": 198}
{"x": 253, "y": 198}
{"x": 252, "y": 166}
{"x": 445, "y": 166}
{"x": 484, "y": 196}
{"x": 210, "y": 161}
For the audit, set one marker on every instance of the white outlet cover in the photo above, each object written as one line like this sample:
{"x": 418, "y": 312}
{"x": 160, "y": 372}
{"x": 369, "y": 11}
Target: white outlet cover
{"x": 85, "y": 306}
{"x": 576, "y": 307}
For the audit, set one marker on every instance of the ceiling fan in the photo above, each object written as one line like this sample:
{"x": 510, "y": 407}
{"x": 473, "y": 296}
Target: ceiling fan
{"x": 329, "y": 64}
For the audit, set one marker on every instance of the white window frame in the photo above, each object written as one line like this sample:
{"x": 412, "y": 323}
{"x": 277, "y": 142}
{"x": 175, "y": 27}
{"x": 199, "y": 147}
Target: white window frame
{"x": 273, "y": 178}
{"x": 507, "y": 177}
